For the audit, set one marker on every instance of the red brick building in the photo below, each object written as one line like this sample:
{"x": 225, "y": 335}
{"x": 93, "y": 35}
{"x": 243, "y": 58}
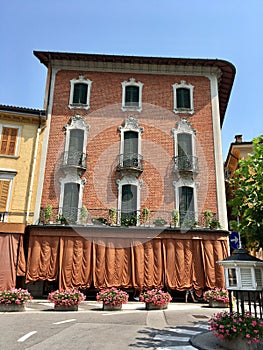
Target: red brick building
{"x": 132, "y": 164}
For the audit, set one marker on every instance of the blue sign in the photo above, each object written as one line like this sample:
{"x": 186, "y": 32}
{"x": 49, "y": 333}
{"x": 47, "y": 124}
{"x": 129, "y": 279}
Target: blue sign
{"x": 234, "y": 240}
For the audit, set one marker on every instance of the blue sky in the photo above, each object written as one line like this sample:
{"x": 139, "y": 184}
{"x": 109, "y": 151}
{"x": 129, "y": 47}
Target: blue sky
{"x": 223, "y": 29}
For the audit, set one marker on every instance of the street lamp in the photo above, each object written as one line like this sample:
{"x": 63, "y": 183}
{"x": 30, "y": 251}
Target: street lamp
{"x": 244, "y": 277}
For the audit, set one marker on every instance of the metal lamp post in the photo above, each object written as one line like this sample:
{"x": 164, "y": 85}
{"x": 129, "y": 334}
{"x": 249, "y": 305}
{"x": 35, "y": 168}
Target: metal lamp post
{"x": 244, "y": 278}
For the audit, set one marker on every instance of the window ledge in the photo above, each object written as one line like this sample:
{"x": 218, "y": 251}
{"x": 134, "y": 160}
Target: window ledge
{"x": 8, "y": 156}
{"x": 78, "y": 106}
{"x": 184, "y": 110}
{"x": 130, "y": 108}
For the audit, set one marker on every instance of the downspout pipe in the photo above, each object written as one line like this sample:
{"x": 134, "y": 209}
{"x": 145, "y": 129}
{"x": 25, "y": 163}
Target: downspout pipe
{"x": 33, "y": 171}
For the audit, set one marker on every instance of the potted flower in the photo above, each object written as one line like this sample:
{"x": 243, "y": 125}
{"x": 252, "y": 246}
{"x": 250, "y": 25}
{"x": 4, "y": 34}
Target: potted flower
{"x": 237, "y": 331}
{"x": 48, "y": 213}
{"x": 217, "y": 297}
{"x": 146, "y": 213}
{"x": 112, "y": 298}
{"x": 113, "y": 216}
{"x": 175, "y": 217}
{"x": 155, "y": 299}
{"x": 14, "y": 299}
{"x": 66, "y": 299}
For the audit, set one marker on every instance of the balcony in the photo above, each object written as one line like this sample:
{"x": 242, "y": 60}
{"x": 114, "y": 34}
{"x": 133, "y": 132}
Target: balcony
{"x": 186, "y": 164}
{"x": 104, "y": 217}
{"x": 131, "y": 162}
{"x": 75, "y": 159}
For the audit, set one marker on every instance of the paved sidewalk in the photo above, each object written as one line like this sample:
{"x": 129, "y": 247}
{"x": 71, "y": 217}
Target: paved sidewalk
{"x": 203, "y": 341}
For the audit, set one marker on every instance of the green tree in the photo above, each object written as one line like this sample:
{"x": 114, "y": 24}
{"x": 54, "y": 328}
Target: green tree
{"x": 247, "y": 200}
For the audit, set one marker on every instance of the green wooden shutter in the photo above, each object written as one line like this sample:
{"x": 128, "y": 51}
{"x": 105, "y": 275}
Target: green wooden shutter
{"x": 183, "y": 98}
{"x": 132, "y": 96}
{"x": 71, "y": 201}
{"x": 75, "y": 150}
{"x": 186, "y": 204}
{"x": 184, "y": 145}
{"x": 129, "y": 205}
{"x": 80, "y": 93}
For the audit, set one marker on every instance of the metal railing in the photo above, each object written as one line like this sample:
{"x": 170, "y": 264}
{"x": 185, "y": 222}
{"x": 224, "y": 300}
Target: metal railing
{"x": 186, "y": 163}
{"x": 104, "y": 216}
{"x": 76, "y": 159}
{"x": 131, "y": 161}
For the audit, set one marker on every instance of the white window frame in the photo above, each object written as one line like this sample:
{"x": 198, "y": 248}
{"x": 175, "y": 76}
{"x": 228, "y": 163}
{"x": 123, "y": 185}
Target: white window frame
{"x": 131, "y": 82}
{"x": 129, "y": 180}
{"x": 80, "y": 80}
{"x": 183, "y": 127}
{"x": 8, "y": 175}
{"x": 77, "y": 122}
{"x": 17, "y": 141}
{"x": 187, "y": 182}
{"x": 131, "y": 124}
{"x": 71, "y": 178}
{"x": 190, "y": 87}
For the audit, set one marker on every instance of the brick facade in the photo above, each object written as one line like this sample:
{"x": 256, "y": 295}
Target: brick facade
{"x": 103, "y": 147}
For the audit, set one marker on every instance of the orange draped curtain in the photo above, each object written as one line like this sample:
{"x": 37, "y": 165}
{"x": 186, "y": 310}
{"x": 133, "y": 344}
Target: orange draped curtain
{"x": 179, "y": 264}
{"x": 11, "y": 263}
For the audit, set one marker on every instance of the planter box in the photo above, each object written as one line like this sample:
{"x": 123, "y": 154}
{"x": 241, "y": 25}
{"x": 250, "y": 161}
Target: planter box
{"x": 152, "y": 306}
{"x": 216, "y": 303}
{"x": 240, "y": 344}
{"x": 109, "y": 307}
{"x": 66, "y": 308}
{"x": 12, "y": 307}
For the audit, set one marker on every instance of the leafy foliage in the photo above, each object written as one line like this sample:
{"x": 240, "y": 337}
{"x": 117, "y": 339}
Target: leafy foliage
{"x": 156, "y": 296}
{"x": 227, "y": 325}
{"x": 112, "y": 296}
{"x": 66, "y": 297}
{"x": 247, "y": 202}
{"x": 15, "y": 296}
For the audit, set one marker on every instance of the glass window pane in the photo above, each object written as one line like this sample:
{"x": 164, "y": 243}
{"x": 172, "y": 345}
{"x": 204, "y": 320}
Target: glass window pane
{"x": 183, "y": 98}
{"x": 186, "y": 205}
{"x": 70, "y": 202}
{"x": 80, "y": 93}
{"x": 184, "y": 144}
{"x": 132, "y": 96}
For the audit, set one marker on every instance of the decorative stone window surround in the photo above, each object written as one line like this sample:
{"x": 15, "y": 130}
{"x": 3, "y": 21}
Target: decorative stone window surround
{"x": 76, "y": 122}
{"x": 184, "y": 86}
{"x": 183, "y": 127}
{"x": 80, "y": 80}
{"x": 131, "y": 124}
{"x": 131, "y": 82}
{"x": 187, "y": 183}
{"x": 128, "y": 180}
{"x": 71, "y": 177}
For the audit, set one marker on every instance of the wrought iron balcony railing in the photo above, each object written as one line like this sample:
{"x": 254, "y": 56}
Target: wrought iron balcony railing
{"x": 75, "y": 159}
{"x": 142, "y": 218}
{"x": 186, "y": 164}
{"x": 131, "y": 161}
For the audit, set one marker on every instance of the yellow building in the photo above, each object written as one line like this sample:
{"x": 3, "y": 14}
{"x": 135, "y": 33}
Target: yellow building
{"x": 21, "y": 133}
